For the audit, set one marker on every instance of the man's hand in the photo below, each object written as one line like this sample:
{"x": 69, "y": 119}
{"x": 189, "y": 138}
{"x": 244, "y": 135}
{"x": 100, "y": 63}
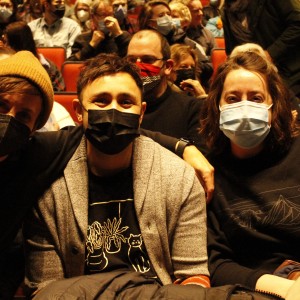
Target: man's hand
{"x": 193, "y": 87}
{"x": 113, "y": 26}
{"x": 97, "y": 38}
{"x": 204, "y": 170}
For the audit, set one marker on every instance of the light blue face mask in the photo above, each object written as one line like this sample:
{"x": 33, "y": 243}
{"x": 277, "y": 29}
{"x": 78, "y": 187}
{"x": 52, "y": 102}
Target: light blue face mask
{"x": 245, "y": 123}
{"x": 164, "y": 24}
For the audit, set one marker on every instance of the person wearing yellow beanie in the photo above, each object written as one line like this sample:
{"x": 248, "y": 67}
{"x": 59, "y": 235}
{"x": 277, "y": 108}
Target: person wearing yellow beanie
{"x": 26, "y": 98}
{"x": 27, "y": 164}
{"x": 25, "y": 65}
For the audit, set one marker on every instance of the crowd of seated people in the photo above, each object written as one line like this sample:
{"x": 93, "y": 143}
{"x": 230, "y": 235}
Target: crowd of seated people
{"x": 146, "y": 68}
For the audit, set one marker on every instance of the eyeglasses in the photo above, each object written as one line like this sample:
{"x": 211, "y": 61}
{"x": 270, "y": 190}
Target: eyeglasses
{"x": 4, "y": 4}
{"x": 146, "y": 59}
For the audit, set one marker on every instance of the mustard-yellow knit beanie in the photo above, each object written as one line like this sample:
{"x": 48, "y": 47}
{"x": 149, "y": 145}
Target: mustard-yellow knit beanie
{"x": 25, "y": 65}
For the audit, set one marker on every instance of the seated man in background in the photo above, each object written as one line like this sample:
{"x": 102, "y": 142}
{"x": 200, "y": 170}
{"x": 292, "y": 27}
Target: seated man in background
{"x": 121, "y": 14}
{"x": 196, "y": 31}
{"x": 169, "y": 112}
{"x": 53, "y": 29}
{"x": 136, "y": 207}
{"x": 105, "y": 36}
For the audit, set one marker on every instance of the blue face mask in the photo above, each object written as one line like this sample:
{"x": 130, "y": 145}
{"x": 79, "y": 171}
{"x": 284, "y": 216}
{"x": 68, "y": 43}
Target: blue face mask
{"x": 120, "y": 13}
{"x": 102, "y": 27}
{"x": 164, "y": 25}
{"x": 245, "y": 123}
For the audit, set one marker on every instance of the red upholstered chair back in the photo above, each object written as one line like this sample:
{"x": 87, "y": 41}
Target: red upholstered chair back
{"x": 220, "y": 41}
{"x": 55, "y": 54}
{"x": 218, "y": 56}
{"x": 70, "y": 72}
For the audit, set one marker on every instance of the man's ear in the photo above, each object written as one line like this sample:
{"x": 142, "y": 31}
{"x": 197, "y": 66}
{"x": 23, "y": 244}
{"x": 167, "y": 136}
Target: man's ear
{"x": 143, "y": 109}
{"x": 78, "y": 109}
{"x": 169, "y": 66}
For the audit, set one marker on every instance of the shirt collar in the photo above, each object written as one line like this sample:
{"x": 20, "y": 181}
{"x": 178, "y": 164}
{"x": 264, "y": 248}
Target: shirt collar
{"x": 55, "y": 24}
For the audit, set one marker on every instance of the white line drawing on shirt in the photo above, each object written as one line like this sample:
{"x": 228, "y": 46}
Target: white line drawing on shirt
{"x": 114, "y": 235}
{"x": 136, "y": 255}
{"x": 281, "y": 213}
{"x": 107, "y": 238}
{"x": 95, "y": 244}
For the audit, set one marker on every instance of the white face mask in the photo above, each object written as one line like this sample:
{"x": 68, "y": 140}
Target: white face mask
{"x": 245, "y": 123}
{"x": 5, "y": 14}
{"x": 83, "y": 15}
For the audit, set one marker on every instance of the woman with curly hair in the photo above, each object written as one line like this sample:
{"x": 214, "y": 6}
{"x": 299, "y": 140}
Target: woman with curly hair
{"x": 254, "y": 217}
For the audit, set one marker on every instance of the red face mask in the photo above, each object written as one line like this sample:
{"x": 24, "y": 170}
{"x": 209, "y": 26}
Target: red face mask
{"x": 148, "y": 69}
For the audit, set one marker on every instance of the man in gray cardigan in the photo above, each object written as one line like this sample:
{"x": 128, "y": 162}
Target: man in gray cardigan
{"x": 123, "y": 202}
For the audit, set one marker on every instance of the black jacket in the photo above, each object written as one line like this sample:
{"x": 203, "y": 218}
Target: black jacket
{"x": 110, "y": 44}
{"x": 275, "y": 25}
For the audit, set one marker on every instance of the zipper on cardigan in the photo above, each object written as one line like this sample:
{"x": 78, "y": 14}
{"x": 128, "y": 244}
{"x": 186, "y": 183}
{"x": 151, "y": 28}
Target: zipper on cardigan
{"x": 243, "y": 290}
{"x": 274, "y": 295}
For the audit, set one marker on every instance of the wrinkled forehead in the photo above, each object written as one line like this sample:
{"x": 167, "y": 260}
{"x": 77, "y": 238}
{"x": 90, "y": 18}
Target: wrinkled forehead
{"x": 119, "y": 2}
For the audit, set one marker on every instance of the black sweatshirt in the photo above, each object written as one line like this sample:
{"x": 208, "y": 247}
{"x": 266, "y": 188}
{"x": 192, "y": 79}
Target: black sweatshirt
{"x": 254, "y": 217}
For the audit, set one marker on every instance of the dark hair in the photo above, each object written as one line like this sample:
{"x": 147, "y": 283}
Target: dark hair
{"x": 14, "y": 17}
{"x": 19, "y": 37}
{"x": 283, "y": 127}
{"x": 6, "y": 51}
{"x": 146, "y": 12}
{"x": 235, "y": 11}
{"x": 14, "y": 84}
{"x": 103, "y": 65}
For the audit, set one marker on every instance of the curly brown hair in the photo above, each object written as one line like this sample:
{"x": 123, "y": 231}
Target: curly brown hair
{"x": 283, "y": 127}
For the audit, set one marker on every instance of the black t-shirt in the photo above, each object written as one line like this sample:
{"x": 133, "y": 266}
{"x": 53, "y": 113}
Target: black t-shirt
{"x": 114, "y": 239}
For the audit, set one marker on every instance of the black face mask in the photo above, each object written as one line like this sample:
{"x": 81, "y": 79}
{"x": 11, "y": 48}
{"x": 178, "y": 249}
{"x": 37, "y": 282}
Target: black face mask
{"x": 184, "y": 74}
{"x": 111, "y": 131}
{"x": 13, "y": 135}
{"x": 59, "y": 11}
